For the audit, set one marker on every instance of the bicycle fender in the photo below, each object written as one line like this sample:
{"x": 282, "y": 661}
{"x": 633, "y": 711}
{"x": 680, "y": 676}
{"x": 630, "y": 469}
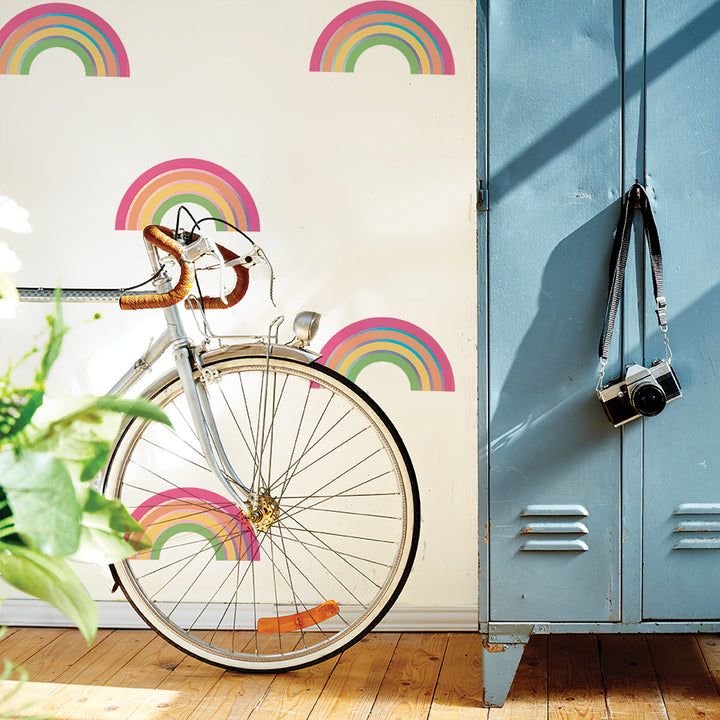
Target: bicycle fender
{"x": 287, "y": 352}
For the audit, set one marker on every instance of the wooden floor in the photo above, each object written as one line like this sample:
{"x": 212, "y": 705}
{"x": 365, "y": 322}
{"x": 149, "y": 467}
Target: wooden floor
{"x": 433, "y": 676}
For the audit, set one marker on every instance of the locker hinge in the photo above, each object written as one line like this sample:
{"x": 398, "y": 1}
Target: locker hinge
{"x": 482, "y": 197}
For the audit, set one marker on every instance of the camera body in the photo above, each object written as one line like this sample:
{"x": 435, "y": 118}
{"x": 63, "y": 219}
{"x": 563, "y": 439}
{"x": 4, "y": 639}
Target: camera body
{"x": 642, "y": 391}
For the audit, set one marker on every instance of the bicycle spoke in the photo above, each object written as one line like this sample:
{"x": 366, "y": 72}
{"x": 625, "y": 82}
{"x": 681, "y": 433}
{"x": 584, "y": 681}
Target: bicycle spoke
{"x": 328, "y": 548}
{"x": 307, "y": 579}
{"x": 177, "y": 456}
{"x": 304, "y": 543}
{"x": 337, "y": 495}
{"x": 306, "y": 449}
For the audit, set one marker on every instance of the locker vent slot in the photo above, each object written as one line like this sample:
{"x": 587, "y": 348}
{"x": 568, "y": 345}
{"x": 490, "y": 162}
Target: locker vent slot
{"x": 550, "y": 520}
{"x": 694, "y": 531}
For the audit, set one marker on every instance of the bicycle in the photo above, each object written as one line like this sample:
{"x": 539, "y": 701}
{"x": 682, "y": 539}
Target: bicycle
{"x": 282, "y": 506}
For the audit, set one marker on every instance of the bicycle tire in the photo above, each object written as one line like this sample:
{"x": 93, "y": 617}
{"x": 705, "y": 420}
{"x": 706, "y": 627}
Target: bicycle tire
{"x": 336, "y": 556}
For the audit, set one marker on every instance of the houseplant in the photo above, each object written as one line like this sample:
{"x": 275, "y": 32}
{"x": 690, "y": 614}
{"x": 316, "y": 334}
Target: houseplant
{"x": 49, "y": 455}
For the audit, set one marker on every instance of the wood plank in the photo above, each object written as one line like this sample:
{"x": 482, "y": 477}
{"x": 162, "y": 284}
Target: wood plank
{"x": 18, "y": 648}
{"x": 190, "y": 682}
{"x": 685, "y": 681}
{"x": 236, "y": 694}
{"x": 294, "y": 694}
{"x": 104, "y": 659}
{"x": 355, "y": 681}
{"x": 632, "y": 691}
{"x": 575, "y": 687}
{"x": 408, "y": 687}
{"x": 528, "y": 696}
{"x": 129, "y": 691}
{"x": 6, "y": 632}
{"x": 22, "y": 645}
{"x": 92, "y": 670}
{"x": 59, "y": 655}
{"x": 710, "y": 648}
{"x": 459, "y": 692}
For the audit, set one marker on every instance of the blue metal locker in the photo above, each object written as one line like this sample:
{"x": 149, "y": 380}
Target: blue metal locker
{"x": 592, "y": 528}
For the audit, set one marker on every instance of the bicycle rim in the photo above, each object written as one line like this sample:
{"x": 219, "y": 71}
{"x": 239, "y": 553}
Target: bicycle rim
{"x": 338, "y": 507}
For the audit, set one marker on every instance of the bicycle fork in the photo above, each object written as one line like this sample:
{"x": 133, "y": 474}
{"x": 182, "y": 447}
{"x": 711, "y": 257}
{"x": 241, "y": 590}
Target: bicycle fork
{"x": 207, "y": 432}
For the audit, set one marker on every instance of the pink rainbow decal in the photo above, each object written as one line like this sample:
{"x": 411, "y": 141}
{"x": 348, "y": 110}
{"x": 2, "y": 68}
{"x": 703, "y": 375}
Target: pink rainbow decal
{"x": 383, "y": 22}
{"x": 201, "y": 512}
{"x": 67, "y": 26}
{"x": 183, "y": 181}
{"x": 389, "y": 340}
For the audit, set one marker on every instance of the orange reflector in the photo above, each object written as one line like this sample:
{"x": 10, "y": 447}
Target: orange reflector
{"x": 298, "y": 621}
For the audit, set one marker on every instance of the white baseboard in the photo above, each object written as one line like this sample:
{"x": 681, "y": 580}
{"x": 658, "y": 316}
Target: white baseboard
{"x": 112, "y": 614}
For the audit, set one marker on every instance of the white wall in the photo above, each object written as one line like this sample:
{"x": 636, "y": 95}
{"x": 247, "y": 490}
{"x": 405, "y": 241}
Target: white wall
{"x": 364, "y": 184}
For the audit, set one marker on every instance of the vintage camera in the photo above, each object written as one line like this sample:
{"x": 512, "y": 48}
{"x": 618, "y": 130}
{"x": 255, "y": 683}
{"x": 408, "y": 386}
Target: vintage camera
{"x": 643, "y": 391}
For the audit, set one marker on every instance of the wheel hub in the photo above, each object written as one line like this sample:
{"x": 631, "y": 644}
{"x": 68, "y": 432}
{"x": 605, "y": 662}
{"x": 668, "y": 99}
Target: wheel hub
{"x": 265, "y": 511}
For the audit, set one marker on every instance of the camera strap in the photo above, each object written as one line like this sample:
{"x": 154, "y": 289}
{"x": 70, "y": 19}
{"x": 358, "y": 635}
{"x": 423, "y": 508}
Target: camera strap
{"x": 635, "y": 199}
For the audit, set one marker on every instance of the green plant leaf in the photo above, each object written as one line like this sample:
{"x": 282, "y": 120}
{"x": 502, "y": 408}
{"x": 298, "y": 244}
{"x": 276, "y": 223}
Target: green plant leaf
{"x": 109, "y": 513}
{"x": 134, "y": 407}
{"x": 105, "y": 523}
{"x": 7, "y": 524}
{"x": 51, "y": 579}
{"x": 42, "y": 499}
{"x": 17, "y": 407}
{"x": 95, "y": 461}
{"x": 81, "y": 430}
{"x": 54, "y": 344}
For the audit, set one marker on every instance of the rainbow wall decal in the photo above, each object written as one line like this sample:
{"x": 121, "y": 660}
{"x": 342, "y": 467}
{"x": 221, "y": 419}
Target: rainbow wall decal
{"x": 383, "y": 22}
{"x": 182, "y": 181}
{"x": 203, "y": 513}
{"x": 390, "y": 340}
{"x": 67, "y": 26}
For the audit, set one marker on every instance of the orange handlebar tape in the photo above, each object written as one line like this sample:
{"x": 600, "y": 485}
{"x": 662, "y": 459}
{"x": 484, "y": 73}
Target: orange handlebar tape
{"x": 162, "y": 238}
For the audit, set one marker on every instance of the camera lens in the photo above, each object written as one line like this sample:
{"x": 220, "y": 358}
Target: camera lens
{"x": 648, "y": 399}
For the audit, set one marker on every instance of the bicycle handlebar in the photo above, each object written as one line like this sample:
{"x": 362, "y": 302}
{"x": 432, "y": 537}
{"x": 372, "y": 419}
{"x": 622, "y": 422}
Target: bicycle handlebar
{"x": 242, "y": 280}
{"x": 162, "y": 237}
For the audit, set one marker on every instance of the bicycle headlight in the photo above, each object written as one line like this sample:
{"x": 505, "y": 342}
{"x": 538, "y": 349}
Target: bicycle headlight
{"x": 306, "y": 326}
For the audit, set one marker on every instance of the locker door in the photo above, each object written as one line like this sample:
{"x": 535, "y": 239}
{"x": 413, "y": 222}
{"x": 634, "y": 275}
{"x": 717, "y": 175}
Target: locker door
{"x": 554, "y": 143}
{"x": 682, "y": 446}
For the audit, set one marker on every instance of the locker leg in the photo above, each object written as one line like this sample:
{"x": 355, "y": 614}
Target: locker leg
{"x": 502, "y": 652}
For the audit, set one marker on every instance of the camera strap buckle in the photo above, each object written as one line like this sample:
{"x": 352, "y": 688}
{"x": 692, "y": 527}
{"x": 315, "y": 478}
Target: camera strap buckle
{"x": 601, "y": 378}
{"x": 660, "y": 311}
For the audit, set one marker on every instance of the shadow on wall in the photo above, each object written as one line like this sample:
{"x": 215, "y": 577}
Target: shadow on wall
{"x": 548, "y": 396}
{"x": 547, "y": 401}
{"x": 658, "y": 61}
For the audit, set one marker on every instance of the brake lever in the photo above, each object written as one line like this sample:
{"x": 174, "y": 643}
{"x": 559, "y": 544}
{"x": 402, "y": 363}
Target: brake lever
{"x": 254, "y": 257}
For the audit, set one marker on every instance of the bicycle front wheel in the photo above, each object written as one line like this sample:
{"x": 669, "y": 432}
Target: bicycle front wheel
{"x": 331, "y": 538}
